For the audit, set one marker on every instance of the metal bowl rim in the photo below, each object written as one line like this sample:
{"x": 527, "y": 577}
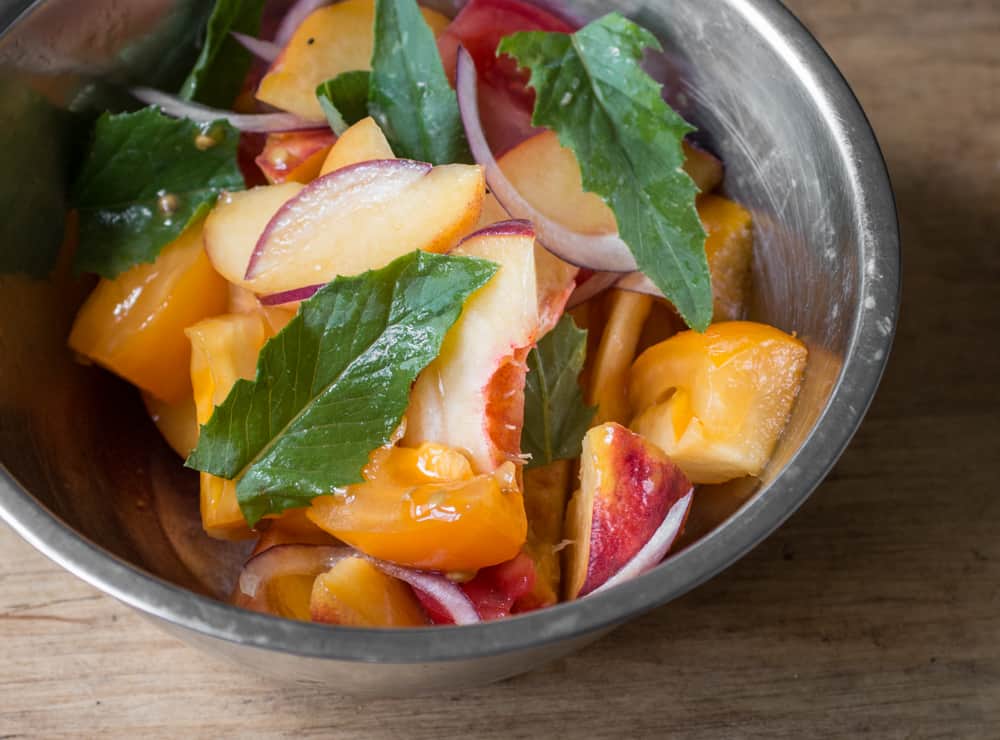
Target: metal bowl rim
{"x": 865, "y": 359}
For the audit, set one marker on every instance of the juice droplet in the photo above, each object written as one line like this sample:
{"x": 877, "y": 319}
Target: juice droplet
{"x": 167, "y": 203}
{"x": 204, "y": 141}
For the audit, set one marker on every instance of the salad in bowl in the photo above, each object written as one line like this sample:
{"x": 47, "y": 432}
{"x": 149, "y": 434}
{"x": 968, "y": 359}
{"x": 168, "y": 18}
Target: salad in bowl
{"x": 446, "y": 315}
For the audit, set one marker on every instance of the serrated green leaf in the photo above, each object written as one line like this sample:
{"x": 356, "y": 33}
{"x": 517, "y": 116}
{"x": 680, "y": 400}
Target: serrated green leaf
{"x": 145, "y": 178}
{"x": 334, "y": 384}
{"x": 222, "y": 65}
{"x": 555, "y": 416}
{"x": 591, "y": 90}
{"x": 344, "y": 99}
{"x": 409, "y": 95}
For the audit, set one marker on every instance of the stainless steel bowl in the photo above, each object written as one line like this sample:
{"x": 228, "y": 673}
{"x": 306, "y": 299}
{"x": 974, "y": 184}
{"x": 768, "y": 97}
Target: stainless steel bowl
{"x": 91, "y": 486}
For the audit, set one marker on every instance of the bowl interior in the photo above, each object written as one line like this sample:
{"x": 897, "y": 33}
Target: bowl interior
{"x": 798, "y": 154}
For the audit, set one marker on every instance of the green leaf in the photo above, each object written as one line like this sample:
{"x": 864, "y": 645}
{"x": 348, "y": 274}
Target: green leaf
{"x": 344, "y": 99}
{"x": 145, "y": 178}
{"x": 409, "y": 95}
{"x": 334, "y": 384}
{"x": 223, "y": 63}
{"x": 592, "y": 91}
{"x": 555, "y": 416}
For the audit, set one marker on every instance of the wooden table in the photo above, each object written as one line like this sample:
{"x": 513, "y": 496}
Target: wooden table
{"x": 876, "y": 609}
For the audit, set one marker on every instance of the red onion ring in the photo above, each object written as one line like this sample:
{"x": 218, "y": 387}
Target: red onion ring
{"x": 604, "y": 252}
{"x": 283, "y": 560}
{"x": 653, "y": 551}
{"x": 264, "y": 50}
{"x": 592, "y": 287}
{"x": 636, "y": 282}
{"x": 287, "y": 560}
{"x": 256, "y": 123}
{"x": 289, "y": 296}
{"x": 294, "y": 17}
{"x": 449, "y": 596}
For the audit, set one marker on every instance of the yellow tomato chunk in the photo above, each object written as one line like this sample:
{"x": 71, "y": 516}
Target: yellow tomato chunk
{"x": 134, "y": 324}
{"x": 334, "y": 39}
{"x": 176, "y": 421}
{"x": 223, "y": 350}
{"x": 424, "y": 508}
{"x": 717, "y": 402}
{"x": 729, "y": 249}
{"x": 357, "y": 594}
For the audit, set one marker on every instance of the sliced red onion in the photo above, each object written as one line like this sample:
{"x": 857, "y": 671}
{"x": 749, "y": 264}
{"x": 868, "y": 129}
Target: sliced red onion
{"x": 511, "y": 227}
{"x": 289, "y": 560}
{"x": 592, "y": 287}
{"x": 449, "y": 596}
{"x": 283, "y": 560}
{"x": 656, "y": 548}
{"x": 636, "y": 282}
{"x": 265, "y": 50}
{"x": 290, "y": 296}
{"x": 604, "y": 252}
{"x": 257, "y": 122}
{"x": 294, "y": 17}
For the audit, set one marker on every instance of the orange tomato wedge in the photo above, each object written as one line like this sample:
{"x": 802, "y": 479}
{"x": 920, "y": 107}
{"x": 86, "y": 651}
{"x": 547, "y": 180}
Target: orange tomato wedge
{"x": 717, "y": 402}
{"x": 424, "y": 508}
{"x": 356, "y": 593}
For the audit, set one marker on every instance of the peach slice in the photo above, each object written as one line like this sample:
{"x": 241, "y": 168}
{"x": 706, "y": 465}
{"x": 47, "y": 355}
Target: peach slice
{"x": 295, "y": 157}
{"x": 357, "y": 594}
{"x": 331, "y": 40}
{"x": 472, "y": 396}
{"x": 362, "y": 217}
{"x": 627, "y": 313}
{"x": 362, "y": 142}
{"x": 548, "y": 176}
{"x": 424, "y": 508}
{"x": 627, "y": 490}
{"x": 236, "y": 223}
{"x": 717, "y": 402}
{"x": 134, "y": 325}
{"x": 556, "y": 279}
{"x": 176, "y": 421}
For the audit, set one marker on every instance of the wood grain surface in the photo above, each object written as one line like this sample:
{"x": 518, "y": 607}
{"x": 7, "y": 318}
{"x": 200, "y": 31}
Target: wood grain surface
{"x": 874, "y": 611}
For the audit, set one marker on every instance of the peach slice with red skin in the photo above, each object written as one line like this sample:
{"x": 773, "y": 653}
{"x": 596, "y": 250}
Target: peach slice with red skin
{"x": 362, "y": 217}
{"x": 472, "y": 396}
{"x": 627, "y": 489}
{"x": 233, "y": 227}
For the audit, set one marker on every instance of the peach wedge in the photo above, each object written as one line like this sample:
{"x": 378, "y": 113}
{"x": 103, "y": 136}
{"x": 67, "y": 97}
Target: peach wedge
{"x": 472, "y": 396}
{"x": 631, "y": 505}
